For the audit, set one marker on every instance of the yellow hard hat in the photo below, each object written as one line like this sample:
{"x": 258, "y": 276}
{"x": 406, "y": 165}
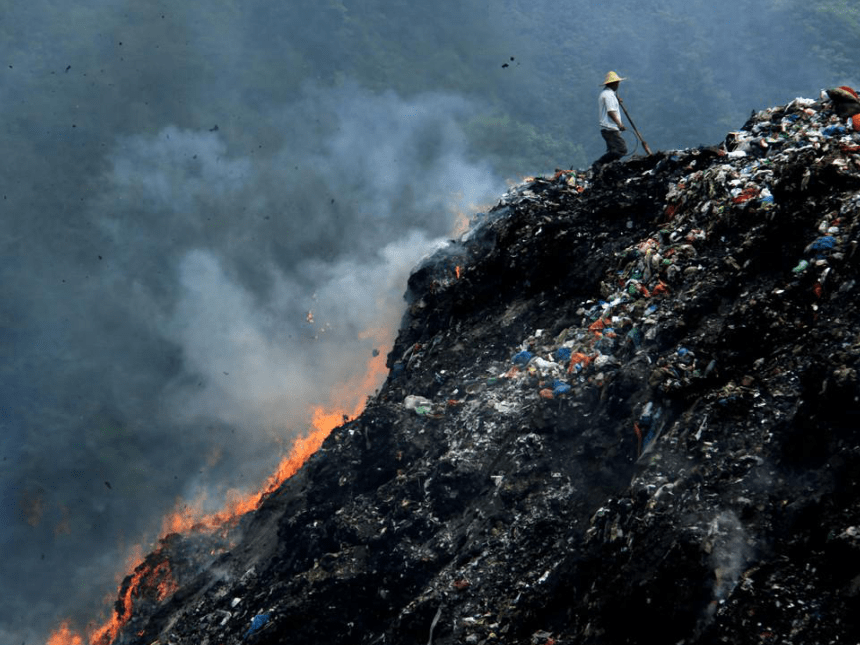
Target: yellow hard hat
{"x": 611, "y": 77}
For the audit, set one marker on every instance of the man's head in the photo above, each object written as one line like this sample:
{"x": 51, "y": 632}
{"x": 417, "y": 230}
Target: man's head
{"x": 612, "y": 80}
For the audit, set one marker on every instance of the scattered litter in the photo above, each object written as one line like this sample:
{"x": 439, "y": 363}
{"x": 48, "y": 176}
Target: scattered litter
{"x": 257, "y": 623}
{"x": 673, "y": 384}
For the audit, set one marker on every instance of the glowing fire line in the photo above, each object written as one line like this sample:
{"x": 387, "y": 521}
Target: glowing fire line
{"x": 65, "y": 636}
{"x": 189, "y": 518}
{"x": 159, "y": 577}
{"x": 192, "y": 518}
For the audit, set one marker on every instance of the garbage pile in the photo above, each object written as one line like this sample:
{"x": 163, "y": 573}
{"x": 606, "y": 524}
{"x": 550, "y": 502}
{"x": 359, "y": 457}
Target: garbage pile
{"x": 630, "y": 413}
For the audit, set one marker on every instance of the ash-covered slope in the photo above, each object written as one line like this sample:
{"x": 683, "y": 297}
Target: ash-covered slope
{"x": 633, "y": 416}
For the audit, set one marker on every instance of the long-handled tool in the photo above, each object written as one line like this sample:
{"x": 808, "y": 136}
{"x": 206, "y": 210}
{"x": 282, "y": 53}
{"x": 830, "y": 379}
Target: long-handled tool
{"x": 633, "y": 125}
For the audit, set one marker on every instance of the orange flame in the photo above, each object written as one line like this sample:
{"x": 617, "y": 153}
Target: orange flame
{"x": 158, "y": 578}
{"x": 463, "y": 214}
{"x": 189, "y": 517}
{"x": 106, "y": 634}
{"x": 461, "y": 223}
{"x": 166, "y": 584}
{"x": 457, "y": 271}
{"x": 65, "y": 636}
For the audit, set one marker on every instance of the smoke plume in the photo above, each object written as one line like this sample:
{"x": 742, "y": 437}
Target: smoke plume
{"x": 175, "y": 332}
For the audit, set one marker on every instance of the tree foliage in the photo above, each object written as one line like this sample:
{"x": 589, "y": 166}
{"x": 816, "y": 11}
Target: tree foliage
{"x": 695, "y": 69}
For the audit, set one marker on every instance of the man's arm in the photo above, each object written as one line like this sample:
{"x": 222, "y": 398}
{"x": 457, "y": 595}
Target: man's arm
{"x": 613, "y": 114}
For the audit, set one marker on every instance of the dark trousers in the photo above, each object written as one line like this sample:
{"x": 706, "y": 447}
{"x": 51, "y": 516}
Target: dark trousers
{"x": 616, "y": 147}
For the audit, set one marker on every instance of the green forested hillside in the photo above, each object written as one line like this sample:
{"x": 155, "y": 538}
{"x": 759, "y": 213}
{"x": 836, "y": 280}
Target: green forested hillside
{"x": 695, "y": 69}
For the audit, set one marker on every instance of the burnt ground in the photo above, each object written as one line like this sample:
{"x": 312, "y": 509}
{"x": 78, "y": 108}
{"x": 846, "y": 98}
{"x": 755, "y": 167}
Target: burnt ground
{"x": 633, "y": 416}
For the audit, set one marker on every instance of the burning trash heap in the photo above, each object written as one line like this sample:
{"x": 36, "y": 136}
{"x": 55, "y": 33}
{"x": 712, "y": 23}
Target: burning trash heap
{"x": 630, "y": 412}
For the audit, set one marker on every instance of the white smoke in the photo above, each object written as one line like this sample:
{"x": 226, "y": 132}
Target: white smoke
{"x": 727, "y": 542}
{"x": 210, "y": 297}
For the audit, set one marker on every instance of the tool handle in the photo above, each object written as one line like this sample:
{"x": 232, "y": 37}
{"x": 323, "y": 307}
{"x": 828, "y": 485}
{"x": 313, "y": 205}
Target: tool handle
{"x": 633, "y": 125}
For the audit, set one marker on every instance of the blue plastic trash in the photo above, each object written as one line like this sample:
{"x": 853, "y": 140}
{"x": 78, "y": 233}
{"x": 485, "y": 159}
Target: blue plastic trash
{"x": 635, "y": 337}
{"x": 559, "y": 387}
{"x": 648, "y": 438}
{"x": 823, "y": 243}
{"x": 562, "y": 354}
{"x": 832, "y": 130}
{"x": 522, "y": 358}
{"x": 257, "y": 623}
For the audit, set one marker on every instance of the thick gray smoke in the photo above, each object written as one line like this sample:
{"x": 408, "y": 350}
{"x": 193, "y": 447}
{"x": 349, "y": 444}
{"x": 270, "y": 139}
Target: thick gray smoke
{"x": 175, "y": 341}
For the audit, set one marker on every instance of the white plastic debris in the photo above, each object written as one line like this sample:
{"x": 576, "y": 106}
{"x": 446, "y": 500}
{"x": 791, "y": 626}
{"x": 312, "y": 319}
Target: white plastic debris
{"x": 417, "y": 403}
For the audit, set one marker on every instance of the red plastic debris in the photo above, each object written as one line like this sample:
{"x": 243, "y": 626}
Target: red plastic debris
{"x": 817, "y": 289}
{"x": 660, "y": 288}
{"x": 598, "y": 324}
{"x": 746, "y": 195}
{"x": 638, "y": 438}
{"x": 576, "y": 359}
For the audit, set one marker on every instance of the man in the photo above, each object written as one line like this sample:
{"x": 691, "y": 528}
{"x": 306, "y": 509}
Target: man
{"x": 611, "y": 126}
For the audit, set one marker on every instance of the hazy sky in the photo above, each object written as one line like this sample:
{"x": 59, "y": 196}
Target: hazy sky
{"x": 178, "y": 193}
{"x": 157, "y": 279}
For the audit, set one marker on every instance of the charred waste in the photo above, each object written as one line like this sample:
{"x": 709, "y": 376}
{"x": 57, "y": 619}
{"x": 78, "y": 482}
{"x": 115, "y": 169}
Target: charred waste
{"x": 623, "y": 406}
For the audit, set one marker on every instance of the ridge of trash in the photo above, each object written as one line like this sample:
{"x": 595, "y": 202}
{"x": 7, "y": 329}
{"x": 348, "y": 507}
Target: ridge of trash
{"x": 623, "y": 405}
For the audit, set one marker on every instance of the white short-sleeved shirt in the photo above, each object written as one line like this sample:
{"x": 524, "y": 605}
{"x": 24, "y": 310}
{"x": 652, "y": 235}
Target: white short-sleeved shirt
{"x": 608, "y": 102}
